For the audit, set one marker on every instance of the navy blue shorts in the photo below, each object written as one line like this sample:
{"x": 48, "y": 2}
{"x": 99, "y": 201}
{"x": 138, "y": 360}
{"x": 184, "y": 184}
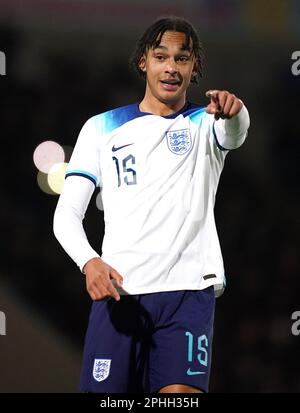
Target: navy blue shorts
{"x": 145, "y": 342}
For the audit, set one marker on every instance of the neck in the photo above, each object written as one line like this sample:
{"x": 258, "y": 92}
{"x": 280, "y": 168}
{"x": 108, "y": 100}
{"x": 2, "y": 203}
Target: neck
{"x": 153, "y": 105}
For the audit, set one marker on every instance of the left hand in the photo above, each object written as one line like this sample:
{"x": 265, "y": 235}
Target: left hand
{"x": 223, "y": 104}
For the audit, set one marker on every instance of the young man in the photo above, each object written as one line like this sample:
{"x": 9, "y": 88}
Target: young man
{"x": 158, "y": 163}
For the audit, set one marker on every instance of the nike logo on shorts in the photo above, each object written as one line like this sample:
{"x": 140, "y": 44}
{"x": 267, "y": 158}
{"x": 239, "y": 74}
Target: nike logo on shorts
{"x": 116, "y": 148}
{"x": 193, "y": 373}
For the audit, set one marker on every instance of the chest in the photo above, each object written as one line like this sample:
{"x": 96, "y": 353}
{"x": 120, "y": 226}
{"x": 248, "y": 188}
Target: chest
{"x": 146, "y": 152}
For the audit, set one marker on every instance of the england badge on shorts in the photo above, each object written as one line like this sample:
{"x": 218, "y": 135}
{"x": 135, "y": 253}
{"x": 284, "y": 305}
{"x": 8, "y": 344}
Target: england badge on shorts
{"x": 179, "y": 141}
{"x": 101, "y": 369}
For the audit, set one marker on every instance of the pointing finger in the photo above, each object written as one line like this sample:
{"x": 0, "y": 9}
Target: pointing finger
{"x": 212, "y": 107}
{"x": 212, "y": 94}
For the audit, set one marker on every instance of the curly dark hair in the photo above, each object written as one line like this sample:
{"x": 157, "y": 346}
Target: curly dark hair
{"x": 152, "y": 37}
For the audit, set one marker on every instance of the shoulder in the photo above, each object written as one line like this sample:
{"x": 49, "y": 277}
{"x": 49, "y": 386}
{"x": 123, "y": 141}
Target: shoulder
{"x": 195, "y": 112}
{"x": 108, "y": 121}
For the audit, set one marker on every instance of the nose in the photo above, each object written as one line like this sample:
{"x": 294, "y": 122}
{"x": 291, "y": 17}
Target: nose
{"x": 171, "y": 67}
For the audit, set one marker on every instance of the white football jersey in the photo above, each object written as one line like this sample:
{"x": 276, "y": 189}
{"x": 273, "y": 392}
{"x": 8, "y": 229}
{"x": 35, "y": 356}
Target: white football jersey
{"x": 158, "y": 178}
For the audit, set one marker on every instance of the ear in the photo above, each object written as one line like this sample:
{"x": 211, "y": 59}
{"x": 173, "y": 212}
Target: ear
{"x": 142, "y": 64}
{"x": 195, "y": 70}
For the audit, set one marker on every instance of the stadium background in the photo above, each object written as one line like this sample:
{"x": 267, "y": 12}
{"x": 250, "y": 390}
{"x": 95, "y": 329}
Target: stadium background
{"x": 66, "y": 61}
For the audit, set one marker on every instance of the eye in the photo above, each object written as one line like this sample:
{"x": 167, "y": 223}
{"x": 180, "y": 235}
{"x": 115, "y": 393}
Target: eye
{"x": 183, "y": 59}
{"x": 159, "y": 57}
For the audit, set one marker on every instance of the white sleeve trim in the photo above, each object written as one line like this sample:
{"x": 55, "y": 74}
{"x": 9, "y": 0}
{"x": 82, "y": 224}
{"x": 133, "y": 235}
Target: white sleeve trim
{"x": 231, "y": 133}
{"x": 68, "y": 217}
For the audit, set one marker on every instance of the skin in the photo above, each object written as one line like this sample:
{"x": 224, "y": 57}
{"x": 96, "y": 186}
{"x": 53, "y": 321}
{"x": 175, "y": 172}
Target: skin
{"x": 169, "y": 62}
{"x": 99, "y": 277}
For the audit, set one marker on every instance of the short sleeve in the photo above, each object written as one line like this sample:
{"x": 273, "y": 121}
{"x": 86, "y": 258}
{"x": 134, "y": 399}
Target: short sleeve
{"x": 85, "y": 157}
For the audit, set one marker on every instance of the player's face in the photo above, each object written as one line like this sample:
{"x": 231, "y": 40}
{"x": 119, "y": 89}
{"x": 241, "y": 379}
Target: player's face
{"x": 169, "y": 68}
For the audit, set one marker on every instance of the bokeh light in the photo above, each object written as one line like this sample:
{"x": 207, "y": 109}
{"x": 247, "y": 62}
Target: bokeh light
{"x": 56, "y": 177}
{"x": 47, "y": 154}
{"x": 42, "y": 180}
{"x": 51, "y": 159}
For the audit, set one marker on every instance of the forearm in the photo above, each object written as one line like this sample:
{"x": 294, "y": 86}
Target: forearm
{"x": 231, "y": 133}
{"x": 68, "y": 217}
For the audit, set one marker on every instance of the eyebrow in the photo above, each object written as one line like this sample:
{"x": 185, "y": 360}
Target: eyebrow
{"x": 183, "y": 48}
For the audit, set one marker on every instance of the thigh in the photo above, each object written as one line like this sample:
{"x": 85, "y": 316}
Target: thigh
{"x": 182, "y": 342}
{"x": 116, "y": 347}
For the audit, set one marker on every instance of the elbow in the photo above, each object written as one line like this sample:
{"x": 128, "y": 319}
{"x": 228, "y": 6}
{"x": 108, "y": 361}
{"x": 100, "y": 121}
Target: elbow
{"x": 238, "y": 140}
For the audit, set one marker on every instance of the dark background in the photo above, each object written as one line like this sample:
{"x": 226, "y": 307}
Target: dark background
{"x": 67, "y": 61}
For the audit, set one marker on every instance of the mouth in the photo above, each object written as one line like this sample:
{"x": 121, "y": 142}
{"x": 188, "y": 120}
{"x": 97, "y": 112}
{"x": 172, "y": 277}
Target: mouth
{"x": 170, "y": 84}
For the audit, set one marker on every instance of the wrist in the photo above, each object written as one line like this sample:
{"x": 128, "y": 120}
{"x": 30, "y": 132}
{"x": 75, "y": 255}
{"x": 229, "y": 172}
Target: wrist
{"x": 90, "y": 263}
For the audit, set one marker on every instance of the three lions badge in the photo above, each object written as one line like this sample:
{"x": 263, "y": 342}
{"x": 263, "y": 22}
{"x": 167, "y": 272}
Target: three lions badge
{"x": 101, "y": 369}
{"x": 179, "y": 141}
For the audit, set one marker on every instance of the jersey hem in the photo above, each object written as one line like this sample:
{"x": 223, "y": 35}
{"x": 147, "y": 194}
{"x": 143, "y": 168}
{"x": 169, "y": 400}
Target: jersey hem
{"x": 177, "y": 287}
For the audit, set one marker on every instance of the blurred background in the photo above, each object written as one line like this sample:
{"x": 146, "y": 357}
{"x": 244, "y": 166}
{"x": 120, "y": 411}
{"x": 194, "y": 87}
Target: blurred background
{"x": 67, "y": 60}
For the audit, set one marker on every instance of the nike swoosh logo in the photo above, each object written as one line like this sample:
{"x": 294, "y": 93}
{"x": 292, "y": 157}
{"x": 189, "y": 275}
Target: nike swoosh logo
{"x": 193, "y": 373}
{"x": 116, "y": 148}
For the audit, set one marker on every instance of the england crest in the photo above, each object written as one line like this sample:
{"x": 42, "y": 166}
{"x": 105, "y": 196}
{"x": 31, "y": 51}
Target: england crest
{"x": 179, "y": 141}
{"x": 101, "y": 369}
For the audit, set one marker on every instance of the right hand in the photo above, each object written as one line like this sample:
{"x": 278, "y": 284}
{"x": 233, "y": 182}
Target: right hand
{"x": 98, "y": 279}
{"x": 223, "y": 104}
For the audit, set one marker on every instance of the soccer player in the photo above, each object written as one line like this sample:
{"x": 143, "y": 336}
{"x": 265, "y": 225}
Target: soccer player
{"x": 158, "y": 163}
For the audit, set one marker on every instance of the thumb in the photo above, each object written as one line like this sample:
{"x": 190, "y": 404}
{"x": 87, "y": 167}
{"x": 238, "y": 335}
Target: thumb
{"x": 211, "y": 108}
